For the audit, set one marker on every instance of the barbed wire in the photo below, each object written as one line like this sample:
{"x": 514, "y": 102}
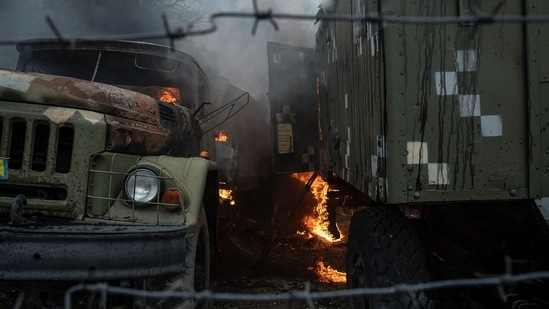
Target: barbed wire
{"x": 306, "y": 295}
{"x": 478, "y": 17}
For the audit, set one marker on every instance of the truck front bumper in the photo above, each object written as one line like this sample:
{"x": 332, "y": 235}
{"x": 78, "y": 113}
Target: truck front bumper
{"x": 90, "y": 252}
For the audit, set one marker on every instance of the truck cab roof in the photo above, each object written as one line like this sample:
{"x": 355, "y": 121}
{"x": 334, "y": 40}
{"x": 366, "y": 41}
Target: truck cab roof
{"x": 126, "y": 64}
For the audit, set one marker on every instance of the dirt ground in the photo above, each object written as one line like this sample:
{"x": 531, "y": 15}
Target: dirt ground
{"x": 250, "y": 262}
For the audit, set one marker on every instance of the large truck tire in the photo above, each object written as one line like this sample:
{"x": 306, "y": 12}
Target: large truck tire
{"x": 385, "y": 250}
{"x": 195, "y": 278}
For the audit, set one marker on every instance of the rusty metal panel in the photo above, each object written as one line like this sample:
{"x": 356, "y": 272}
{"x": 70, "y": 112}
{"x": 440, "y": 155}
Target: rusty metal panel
{"x": 293, "y": 104}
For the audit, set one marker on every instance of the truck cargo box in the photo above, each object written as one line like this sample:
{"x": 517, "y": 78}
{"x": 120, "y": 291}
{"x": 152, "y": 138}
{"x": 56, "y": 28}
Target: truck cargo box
{"x": 427, "y": 112}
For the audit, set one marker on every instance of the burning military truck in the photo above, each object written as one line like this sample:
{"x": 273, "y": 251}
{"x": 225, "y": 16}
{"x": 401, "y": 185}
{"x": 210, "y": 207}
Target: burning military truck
{"x": 105, "y": 174}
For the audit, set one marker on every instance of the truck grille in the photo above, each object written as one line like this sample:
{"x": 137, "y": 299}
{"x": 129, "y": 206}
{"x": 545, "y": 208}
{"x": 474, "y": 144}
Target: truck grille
{"x": 166, "y": 112}
{"x": 45, "y": 147}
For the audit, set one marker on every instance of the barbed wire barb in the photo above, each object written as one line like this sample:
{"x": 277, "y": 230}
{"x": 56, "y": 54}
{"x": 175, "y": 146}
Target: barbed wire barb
{"x": 413, "y": 298}
{"x": 307, "y": 295}
{"x": 103, "y": 294}
{"x": 505, "y": 280}
{"x": 166, "y": 25}
{"x": 262, "y": 15}
{"x": 54, "y": 29}
{"x": 488, "y": 18}
{"x": 479, "y": 18}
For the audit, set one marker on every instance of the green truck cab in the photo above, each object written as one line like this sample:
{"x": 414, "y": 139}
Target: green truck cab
{"x": 106, "y": 176}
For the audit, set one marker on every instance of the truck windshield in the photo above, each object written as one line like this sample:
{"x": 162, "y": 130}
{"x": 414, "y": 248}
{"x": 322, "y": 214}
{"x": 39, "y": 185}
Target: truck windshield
{"x": 162, "y": 78}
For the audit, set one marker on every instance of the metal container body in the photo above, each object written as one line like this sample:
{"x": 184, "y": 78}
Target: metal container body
{"x": 428, "y": 113}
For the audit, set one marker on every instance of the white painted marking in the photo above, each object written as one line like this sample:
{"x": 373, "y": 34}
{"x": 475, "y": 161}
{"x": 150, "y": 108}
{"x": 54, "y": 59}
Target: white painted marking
{"x": 382, "y": 187}
{"x": 373, "y": 44}
{"x": 59, "y": 115}
{"x": 469, "y": 105}
{"x": 417, "y": 153}
{"x": 277, "y": 58}
{"x": 91, "y": 117}
{"x": 438, "y": 173}
{"x": 380, "y": 146}
{"x": 346, "y": 101}
{"x": 491, "y": 125}
{"x": 466, "y": 60}
{"x": 373, "y": 160}
{"x": 19, "y": 82}
{"x": 446, "y": 83}
{"x": 349, "y": 133}
{"x": 334, "y": 46}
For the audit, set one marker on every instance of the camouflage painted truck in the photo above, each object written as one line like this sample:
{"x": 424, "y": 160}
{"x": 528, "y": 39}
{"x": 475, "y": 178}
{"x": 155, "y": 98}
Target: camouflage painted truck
{"x": 441, "y": 131}
{"x": 102, "y": 174}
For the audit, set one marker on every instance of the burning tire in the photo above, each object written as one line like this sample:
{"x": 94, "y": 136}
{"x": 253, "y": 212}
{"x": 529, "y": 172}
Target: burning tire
{"x": 384, "y": 250}
{"x": 197, "y": 276}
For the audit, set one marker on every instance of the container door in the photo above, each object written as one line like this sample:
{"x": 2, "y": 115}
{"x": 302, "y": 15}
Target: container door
{"x": 293, "y": 105}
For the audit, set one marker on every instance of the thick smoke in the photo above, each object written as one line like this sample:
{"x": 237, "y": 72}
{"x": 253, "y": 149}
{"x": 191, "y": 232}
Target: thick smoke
{"x": 225, "y": 50}
{"x": 232, "y": 52}
{"x": 233, "y": 58}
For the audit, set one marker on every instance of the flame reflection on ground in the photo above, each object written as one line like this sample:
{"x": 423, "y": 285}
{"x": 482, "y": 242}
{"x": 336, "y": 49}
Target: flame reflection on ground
{"x": 329, "y": 275}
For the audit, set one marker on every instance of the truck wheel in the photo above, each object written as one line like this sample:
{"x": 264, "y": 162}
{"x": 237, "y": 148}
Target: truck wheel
{"x": 383, "y": 251}
{"x": 197, "y": 275}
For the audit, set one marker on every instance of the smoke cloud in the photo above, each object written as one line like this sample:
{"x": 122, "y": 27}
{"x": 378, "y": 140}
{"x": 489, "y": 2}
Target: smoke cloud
{"x": 232, "y": 52}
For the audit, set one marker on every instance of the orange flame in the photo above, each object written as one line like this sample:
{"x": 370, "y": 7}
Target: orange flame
{"x": 227, "y": 195}
{"x": 318, "y": 224}
{"x": 328, "y": 274}
{"x": 168, "y": 98}
{"x": 167, "y": 94}
{"x": 221, "y": 137}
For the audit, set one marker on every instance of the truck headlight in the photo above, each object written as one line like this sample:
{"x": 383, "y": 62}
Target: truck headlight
{"x": 141, "y": 185}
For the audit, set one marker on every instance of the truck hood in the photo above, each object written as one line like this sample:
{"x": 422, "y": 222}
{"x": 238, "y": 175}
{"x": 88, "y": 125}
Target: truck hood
{"x": 54, "y": 90}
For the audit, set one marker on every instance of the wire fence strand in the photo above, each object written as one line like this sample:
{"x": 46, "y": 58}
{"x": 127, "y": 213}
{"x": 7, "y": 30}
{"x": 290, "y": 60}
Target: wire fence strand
{"x": 179, "y": 33}
{"x": 306, "y": 296}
